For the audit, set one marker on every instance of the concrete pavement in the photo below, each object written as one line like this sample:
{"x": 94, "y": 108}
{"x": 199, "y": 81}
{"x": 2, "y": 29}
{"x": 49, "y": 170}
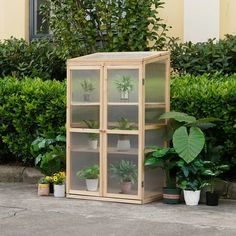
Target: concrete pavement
{"x": 23, "y": 213}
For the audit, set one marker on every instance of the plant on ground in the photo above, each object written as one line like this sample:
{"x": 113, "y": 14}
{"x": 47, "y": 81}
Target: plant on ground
{"x": 59, "y": 178}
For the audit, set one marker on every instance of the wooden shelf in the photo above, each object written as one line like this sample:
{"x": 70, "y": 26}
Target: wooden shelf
{"x": 122, "y": 103}
{"x": 154, "y": 126}
{"x": 85, "y": 104}
{"x": 83, "y": 149}
{"x": 155, "y": 105}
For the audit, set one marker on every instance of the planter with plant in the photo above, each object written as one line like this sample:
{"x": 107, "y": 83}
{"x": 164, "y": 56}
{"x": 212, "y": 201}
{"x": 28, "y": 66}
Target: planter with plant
{"x": 59, "y": 184}
{"x": 91, "y": 175}
{"x": 166, "y": 158}
{"x": 87, "y": 87}
{"x": 123, "y": 143}
{"x": 188, "y": 142}
{"x": 43, "y": 186}
{"x": 127, "y": 173}
{"x": 124, "y": 85}
{"x": 93, "y": 137}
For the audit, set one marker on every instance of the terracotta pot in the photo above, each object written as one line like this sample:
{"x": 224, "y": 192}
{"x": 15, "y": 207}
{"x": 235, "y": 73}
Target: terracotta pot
{"x": 43, "y": 189}
{"x": 126, "y": 187}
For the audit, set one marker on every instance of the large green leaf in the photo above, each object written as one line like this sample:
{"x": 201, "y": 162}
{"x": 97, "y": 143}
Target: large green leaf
{"x": 188, "y": 146}
{"x": 178, "y": 116}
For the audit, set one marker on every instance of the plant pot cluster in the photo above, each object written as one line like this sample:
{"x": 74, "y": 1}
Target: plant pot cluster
{"x": 188, "y": 165}
{"x": 54, "y": 184}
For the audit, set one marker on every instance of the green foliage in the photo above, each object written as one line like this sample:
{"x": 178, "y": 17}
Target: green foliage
{"x": 124, "y": 84}
{"x": 213, "y": 96}
{"x": 124, "y": 124}
{"x": 51, "y": 153}
{"x": 30, "y": 107}
{"x": 126, "y": 171}
{"x": 87, "y": 85}
{"x": 90, "y": 172}
{"x": 164, "y": 157}
{"x": 208, "y": 57}
{"x": 38, "y": 58}
{"x": 87, "y": 26}
{"x": 92, "y": 124}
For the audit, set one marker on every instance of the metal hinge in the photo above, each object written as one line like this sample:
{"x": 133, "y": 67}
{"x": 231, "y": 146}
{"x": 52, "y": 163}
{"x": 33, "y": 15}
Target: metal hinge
{"x": 143, "y": 81}
{"x": 142, "y": 184}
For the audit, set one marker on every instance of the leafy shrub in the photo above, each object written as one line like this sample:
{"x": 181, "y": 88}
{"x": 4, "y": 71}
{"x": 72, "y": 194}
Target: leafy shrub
{"x": 30, "y": 107}
{"x": 209, "y": 96}
{"x": 208, "y": 57}
{"x": 36, "y": 59}
{"x": 83, "y": 27}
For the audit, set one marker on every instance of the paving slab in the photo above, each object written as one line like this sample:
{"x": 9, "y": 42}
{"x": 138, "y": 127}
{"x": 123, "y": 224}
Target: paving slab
{"x": 23, "y": 213}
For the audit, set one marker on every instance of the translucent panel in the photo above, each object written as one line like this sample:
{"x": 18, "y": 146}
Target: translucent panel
{"x": 152, "y": 115}
{"x": 120, "y": 183}
{"x": 122, "y": 85}
{"x": 123, "y": 117}
{"x": 155, "y": 137}
{"x": 83, "y": 141}
{"x": 155, "y": 74}
{"x": 85, "y": 85}
{"x": 84, "y": 153}
{"x": 153, "y": 181}
{"x": 123, "y": 143}
{"x": 82, "y": 114}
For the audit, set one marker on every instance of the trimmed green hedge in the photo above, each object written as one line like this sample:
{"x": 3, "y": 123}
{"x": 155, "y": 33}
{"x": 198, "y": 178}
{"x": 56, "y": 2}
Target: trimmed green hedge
{"x": 30, "y": 107}
{"x": 207, "y": 57}
{"x": 209, "y": 96}
{"x": 39, "y": 58}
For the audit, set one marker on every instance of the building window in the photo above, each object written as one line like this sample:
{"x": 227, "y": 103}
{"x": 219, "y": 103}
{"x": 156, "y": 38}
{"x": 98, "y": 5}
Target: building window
{"x": 37, "y": 29}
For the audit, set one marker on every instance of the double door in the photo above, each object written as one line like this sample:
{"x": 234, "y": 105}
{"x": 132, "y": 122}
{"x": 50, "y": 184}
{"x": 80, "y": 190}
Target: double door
{"x": 105, "y": 127}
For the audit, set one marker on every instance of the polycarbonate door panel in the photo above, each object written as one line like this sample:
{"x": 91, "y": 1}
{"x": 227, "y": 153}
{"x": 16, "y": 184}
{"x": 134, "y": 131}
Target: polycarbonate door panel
{"x": 155, "y": 79}
{"x": 122, "y": 165}
{"x": 85, "y": 96}
{"x": 84, "y": 152}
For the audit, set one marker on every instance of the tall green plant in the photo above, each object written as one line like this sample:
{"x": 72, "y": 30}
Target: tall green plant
{"x": 88, "y": 26}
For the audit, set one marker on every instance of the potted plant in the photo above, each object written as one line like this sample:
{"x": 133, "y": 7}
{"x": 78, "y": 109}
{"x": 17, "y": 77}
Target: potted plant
{"x": 43, "y": 186}
{"x": 124, "y": 85}
{"x": 166, "y": 158}
{"x": 91, "y": 175}
{"x": 87, "y": 87}
{"x": 93, "y": 137}
{"x": 127, "y": 173}
{"x": 123, "y": 143}
{"x": 59, "y": 184}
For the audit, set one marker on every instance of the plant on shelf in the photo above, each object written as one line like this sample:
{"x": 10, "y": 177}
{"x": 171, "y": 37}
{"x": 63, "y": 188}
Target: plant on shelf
{"x": 127, "y": 173}
{"x": 59, "y": 184}
{"x": 93, "y": 137}
{"x": 166, "y": 158}
{"x": 124, "y": 85}
{"x": 123, "y": 143}
{"x": 91, "y": 175}
{"x": 88, "y": 86}
{"x": 43, "y": 186}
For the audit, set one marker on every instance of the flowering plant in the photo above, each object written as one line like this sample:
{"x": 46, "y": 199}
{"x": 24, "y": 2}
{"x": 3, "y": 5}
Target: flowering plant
{"x": 45, "y": 180}
{"x": 59, "y": 178}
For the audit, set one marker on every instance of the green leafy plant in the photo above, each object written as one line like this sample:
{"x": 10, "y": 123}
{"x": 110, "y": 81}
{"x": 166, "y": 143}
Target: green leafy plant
{"x": 51, "y": 154}
{"x": 92, "y": 124}
{"x": 87, "y": 85}
{"x": 126, "y": 171}
{"x": 124, "y": 124}
{"x": 91, "y": 26}
{"x": 45, "y": 180}
{"x": 59, "y": 178}
{"x": 188, "y": 138}
{"x": 166, "y": 158}
{"x": 90, "y": 172}
{"x": 124, "y": 84}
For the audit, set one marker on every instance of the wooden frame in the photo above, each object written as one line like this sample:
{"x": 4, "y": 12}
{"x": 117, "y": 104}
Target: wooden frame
{"x": 104, "y": 62}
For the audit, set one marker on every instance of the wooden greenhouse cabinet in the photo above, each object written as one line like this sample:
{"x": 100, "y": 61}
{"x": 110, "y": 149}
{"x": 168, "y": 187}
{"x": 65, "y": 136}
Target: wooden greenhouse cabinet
{"x": 123, "y": 122}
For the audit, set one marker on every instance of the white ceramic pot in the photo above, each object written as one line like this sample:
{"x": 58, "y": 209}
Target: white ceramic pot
{"x": 93, "y": 144}
{"x": 124, "y": 96}
{"x": 92, "y": 184}
{"x": 191, "y": 198}
{"x": 59, "y": 190}
{"x": 123, "y": 145}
